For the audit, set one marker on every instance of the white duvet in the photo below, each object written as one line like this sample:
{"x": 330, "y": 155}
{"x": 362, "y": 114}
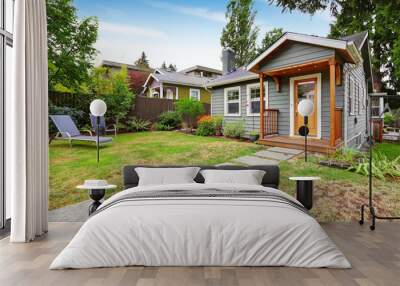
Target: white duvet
{"x": 200, "y": 231}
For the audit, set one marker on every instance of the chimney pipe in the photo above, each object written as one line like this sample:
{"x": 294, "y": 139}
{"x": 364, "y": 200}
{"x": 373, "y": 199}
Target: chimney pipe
{"x": 228, "y": 60}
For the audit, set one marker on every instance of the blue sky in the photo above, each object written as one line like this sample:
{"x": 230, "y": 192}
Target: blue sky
{"x": 185, "y": 33}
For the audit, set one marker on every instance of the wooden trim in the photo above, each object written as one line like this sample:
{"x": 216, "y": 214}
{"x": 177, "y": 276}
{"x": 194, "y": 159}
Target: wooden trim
{"x": 338, "y": 74}
{"x": 277, "y": 81}
{"x": 272, "y": 71}
{"x": 332, "y": 102}
{"x": 262, "y": 121}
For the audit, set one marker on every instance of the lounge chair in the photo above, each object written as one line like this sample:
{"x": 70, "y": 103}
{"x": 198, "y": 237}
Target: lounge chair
{"x": 67, "y": 130}
{"x": 103, "y": 127}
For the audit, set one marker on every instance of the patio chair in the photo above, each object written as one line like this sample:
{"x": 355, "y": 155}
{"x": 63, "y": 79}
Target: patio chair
{"x": 67, "y": 130}
{"x": 103, "y": 127}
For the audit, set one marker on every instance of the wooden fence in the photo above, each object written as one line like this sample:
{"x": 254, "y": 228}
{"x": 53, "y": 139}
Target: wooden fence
{"x": 150, "y": 108}
{"x": 143, "y": 107}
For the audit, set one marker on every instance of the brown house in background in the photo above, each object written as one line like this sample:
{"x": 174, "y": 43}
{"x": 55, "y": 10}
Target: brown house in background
{"x": 137, "y": 75}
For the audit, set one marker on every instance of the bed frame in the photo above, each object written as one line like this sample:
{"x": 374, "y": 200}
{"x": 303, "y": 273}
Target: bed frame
{"x": 270, "y": 179}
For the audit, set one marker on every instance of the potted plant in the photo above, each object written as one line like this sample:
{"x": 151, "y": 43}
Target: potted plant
{"x": 254, "y": 135}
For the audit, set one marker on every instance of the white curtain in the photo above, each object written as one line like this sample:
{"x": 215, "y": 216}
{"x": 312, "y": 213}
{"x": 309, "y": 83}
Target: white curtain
{"x": 27, "y": 123}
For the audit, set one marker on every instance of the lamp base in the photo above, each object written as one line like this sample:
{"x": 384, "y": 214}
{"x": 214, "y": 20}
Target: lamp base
{"x": 373, "y": 215}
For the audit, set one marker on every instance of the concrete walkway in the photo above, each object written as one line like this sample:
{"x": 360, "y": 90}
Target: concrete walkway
{"x": 270, "y": 156}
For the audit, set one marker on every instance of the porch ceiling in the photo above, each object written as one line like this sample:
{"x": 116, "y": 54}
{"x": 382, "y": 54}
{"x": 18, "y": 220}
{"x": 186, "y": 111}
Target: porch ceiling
{"x": 299, "y": 69}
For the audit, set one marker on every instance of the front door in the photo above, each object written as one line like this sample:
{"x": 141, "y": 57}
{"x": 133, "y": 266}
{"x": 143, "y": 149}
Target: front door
{"x": 306, "y": 89}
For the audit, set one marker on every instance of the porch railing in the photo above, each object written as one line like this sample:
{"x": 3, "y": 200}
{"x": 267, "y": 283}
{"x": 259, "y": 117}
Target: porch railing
{"x": 271, "y": 121}
{"x": 338, "y": 123}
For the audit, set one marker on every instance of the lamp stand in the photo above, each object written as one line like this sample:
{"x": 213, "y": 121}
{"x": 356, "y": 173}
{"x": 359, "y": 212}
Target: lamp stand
{"x": 370, "y": 205}
{"x": 305, "y": 138}
{"x": 97, "y": 138}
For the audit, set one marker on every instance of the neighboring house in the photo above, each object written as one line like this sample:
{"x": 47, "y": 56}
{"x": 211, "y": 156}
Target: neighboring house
{"x": 136, "y": 75}
{"x": 188, "y": 83}
{"x": 334, "y": 73}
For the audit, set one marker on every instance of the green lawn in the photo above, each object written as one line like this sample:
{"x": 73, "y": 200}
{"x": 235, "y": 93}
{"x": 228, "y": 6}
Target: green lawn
{"x": 337, "y": 196}
{"x": 71, "y": 166}
{"x": 391, "y": 150}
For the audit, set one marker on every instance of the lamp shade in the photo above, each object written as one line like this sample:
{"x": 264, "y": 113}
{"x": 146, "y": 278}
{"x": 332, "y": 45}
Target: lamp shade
{"x": 305, "y": 107}
{"x": 98, "y": 107}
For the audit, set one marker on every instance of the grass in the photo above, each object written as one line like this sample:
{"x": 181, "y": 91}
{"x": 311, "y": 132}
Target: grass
{"x": 69, "y": 167}
{"x": 390, "y": 150}
{"x": 339, "y": 193}
{"x": 337, "y": 196}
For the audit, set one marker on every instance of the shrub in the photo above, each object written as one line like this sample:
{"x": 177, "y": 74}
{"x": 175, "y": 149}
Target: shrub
{"x": 206, "y": 127}
{"x": 189, "y": 110}
{"x": 234, "y": 129}
{"x": 162, "y": 127}
{"x": 388, "y": 119}
{"x": 172, "y": 119}
{"x": 381, "y": 166}
{"x": 137, "y": 124}
{"x": 218, "y": 120}
{"x": 345, "y": 154}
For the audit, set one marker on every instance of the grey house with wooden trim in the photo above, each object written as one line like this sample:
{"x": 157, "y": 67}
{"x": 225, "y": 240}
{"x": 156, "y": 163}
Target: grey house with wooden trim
{"x": 334, "y": 73}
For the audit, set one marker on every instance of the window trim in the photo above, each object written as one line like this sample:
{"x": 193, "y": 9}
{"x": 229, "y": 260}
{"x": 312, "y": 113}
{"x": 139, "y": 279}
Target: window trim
{"x": 226, "y": 90}
{"x": 266, "y": 93}
{"x": 195, "y": 89}
{"x": 352, "y": 95}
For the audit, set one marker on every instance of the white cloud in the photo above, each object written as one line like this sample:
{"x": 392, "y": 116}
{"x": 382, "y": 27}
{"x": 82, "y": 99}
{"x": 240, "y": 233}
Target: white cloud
{"x": 191, "y": 11}
{"x": 130, "y": 30}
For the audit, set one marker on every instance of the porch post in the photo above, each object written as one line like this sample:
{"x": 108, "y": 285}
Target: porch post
{"x": 261, "y": 106}
{"x": 161, "y": 90}
{"x": 332, "y": 95}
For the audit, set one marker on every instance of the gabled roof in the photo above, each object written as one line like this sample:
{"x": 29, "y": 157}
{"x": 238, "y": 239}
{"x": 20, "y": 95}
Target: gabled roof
{"x": 346, "y": 46}
{"x": 239, "y": 75}
{"x": 201, "y": 68}
{"x": 177, "y": 78}
{"x": 112, "y": 64}
{"x": 358, "y": 39}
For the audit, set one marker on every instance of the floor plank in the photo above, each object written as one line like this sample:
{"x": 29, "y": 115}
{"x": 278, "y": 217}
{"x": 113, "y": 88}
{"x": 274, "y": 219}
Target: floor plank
{"x": 375, "y": 257}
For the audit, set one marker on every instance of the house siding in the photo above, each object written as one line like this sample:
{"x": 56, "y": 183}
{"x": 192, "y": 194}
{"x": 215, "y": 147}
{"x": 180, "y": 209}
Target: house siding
{"x": 276, "y": 100}
{"x": 184, "y": 91}
{"x": 356, "y": 123}
{"x": 297, "y": 53}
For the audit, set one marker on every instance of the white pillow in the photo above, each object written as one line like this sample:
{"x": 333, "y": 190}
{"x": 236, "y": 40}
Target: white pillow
{"x": 247, "y": 177}
{"x": 166, "y": 176}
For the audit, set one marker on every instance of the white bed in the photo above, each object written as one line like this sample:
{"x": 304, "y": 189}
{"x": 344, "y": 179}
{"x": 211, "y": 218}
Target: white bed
{"x": 200, "y": 231}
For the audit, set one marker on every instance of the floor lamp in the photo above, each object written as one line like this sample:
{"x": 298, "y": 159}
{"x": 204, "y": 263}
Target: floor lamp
{"x": 305, "y": 108}
{"x": 98, "y": 108}
{"x": 370, "y": 205}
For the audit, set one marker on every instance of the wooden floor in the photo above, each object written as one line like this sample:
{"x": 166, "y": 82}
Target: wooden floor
{"x": 375, "y": 257}
{"x": 314, "y": 145}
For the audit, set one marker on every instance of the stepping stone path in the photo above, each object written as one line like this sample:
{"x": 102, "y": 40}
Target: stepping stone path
{"x": 270, "y": 156}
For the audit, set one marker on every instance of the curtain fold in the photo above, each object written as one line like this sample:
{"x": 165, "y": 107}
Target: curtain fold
{"x": 27, "y": 123}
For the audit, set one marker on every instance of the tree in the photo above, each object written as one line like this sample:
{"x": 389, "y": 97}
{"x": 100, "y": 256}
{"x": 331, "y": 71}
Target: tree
{"x": 172, "y": 67}
{"x": 142, "y": 62}
{"x": 113, "y": 88}
{"x": 240, "y": 32}
{"x": 378, "y": 17}
{"x": 164, "y": 66}
{"x": 270, "y": 38}
{"x": 70, "y": 44}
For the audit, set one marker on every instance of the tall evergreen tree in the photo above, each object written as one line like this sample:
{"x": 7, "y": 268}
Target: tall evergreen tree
{"x": 164, "y": 66}
{"x": 172, "y": 67}
{"x": 379, "y": 17}
{"x": 270, "y": 38}
{"x": 240, "y": 32}
{"x": 142, "y": 62}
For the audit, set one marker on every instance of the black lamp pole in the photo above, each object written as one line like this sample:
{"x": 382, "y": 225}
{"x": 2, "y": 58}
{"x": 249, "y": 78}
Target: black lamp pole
{"x": 305, "y": 137}
{"x": 97, "y": 138}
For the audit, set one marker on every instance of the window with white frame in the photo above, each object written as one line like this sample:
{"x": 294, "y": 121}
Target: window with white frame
{"x": 195, "y": 94}
{"x": 232, "y": 101}
{"x": 253, "y": 98}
